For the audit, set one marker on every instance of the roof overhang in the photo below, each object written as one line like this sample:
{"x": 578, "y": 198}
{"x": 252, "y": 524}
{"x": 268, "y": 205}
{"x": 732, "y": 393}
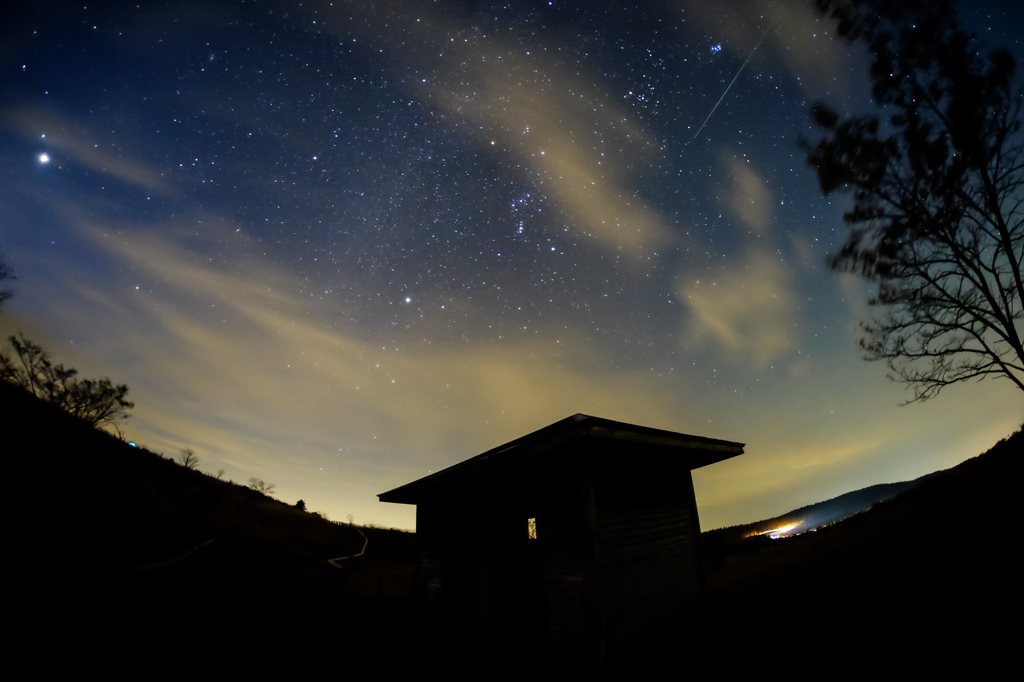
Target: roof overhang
{"x": 688, "y": 451}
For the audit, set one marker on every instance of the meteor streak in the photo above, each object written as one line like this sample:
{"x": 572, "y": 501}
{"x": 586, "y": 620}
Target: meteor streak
{"x": 730, "y": 84}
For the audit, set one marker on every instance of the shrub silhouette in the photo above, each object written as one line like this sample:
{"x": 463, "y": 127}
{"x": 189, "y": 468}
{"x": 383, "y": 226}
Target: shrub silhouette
{"x": 95, "y": 401}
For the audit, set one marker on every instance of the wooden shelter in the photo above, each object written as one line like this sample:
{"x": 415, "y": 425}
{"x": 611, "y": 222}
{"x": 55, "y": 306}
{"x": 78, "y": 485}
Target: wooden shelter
{"x": 583, "y": 535}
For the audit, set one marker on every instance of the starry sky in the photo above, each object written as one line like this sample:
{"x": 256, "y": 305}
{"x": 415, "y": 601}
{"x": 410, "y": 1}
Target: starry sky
{"x": 340, "y": 245}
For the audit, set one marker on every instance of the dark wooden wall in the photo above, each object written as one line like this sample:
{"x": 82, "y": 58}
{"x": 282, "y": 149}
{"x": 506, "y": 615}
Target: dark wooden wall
{"x": 617, "y": 554}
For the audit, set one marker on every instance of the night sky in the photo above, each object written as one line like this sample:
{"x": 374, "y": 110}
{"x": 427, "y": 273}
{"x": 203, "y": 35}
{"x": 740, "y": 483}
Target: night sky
{"x": 340, "y": 245}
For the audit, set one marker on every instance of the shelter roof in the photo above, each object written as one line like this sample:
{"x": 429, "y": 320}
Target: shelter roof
{"x": 694, "y": 451}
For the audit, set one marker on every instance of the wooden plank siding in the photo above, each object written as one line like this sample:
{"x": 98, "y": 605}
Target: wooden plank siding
{"x": 649, "y": 561}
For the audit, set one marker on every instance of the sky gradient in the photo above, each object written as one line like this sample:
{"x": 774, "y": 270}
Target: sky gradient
{"x": 339, "y": 246}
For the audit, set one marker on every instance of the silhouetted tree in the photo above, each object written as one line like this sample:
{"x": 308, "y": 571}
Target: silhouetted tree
{"x": 96, "y": 401}
{"x": 187, "y": 458}
{"x": 938, "y": 213}
{"x": 260, "y": 486}
{"x": 301, "y": 505}
{"x": 5, "y": 273}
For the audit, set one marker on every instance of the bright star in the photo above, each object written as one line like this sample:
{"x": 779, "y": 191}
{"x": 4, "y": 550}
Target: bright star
{"x": 44, "y": 158}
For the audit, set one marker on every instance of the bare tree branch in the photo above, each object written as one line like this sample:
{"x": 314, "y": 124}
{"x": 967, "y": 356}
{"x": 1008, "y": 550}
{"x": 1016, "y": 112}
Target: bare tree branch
{"x": 187, "y": 458}
{"x": 5, "y": 273}
{"x": 937, "y": 221}
{"x": 96, "y": 401}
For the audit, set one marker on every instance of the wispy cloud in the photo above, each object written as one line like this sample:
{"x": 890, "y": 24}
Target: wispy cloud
{"x": 796, "y": 36}
{"x": 747, "y": 313}
{"x": 68, "y": 141}
{"x": 257, "y": 379}
{"x": 750, "y": 199}
{"x": 577, "y": 143}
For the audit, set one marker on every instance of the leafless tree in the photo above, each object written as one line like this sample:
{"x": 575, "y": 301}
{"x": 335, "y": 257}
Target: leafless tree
{"x": 96, "y": 401}
{"x": 260, "y": 486}
{"x": 187, "y": 458}
{"x": 938, "y": 195}
{"x": 5, "y": 273}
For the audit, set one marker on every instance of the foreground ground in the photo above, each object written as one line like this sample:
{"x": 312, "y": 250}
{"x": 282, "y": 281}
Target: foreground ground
{"x": 124, "y": 560}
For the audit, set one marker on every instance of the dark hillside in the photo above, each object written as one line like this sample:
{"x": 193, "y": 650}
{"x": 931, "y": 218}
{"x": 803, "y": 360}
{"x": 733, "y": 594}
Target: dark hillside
{"x": 121, "y": 557}
{"x": 723, "y": 541}
{"x": 115, "y": 543}
{"x": 933, "y": 571}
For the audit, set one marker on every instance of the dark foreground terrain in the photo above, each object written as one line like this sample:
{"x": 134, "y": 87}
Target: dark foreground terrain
{"x": 126, "y": 563}
{"x": 928, "y": 581}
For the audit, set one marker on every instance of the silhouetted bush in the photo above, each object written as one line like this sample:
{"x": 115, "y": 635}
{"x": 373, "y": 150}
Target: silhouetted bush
{"x": 95, "y": 401}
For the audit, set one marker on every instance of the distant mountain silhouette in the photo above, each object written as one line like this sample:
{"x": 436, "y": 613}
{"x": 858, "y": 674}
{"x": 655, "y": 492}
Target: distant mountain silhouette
{"x": 814, "y": 516}
{"x": 828, "y": 512}
{"x": 921, "y": 581}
